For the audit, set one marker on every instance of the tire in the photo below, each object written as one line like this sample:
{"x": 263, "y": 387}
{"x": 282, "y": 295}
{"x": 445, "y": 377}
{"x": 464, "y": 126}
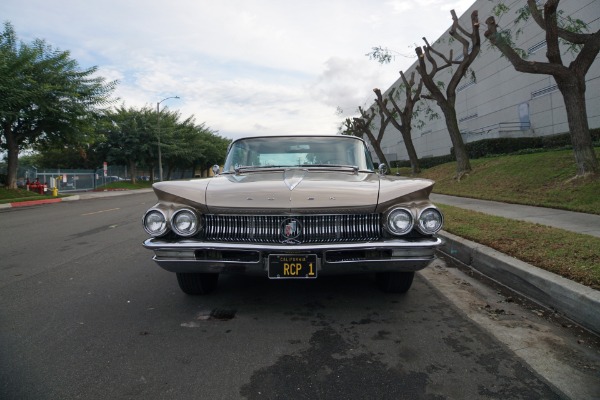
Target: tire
{"x": 395, "y": 282}
{"x": 197, "y": 284}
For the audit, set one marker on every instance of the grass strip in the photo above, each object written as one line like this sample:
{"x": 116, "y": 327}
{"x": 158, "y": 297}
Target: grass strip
{"x": 16, "y": 195}
{"x": 571, "y": 255}
{"x": 538, "y": 179}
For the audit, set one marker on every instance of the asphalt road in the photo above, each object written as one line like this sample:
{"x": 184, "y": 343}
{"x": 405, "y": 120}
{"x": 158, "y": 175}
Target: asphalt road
{"x": 85, "y": 313}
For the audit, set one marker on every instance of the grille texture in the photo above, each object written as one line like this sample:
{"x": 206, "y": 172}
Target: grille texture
{"x": 300, "y": 229}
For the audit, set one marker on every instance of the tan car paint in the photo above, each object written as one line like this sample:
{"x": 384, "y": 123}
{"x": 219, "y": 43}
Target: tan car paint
{"x": 295, "y": 190}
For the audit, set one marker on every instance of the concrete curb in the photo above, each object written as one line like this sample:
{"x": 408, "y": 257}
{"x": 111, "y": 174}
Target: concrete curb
{"x": 577, "y": 302}
{"x": 71, "y": 198}
{"x": 31, "y": 203}
{"x": 87, "y": 195}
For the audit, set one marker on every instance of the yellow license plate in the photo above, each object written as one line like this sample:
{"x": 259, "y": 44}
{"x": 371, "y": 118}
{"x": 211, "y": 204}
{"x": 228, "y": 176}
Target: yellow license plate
{"x": 292, "y": 266}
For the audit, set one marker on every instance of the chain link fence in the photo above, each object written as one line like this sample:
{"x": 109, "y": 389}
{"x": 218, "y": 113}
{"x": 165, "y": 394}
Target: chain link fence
{"x": 71, "y": 180}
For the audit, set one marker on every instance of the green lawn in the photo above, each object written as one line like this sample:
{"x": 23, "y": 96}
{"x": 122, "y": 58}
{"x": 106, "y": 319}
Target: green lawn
{"x": 539, "y": 179}
{"x": 571, "y": 255}
{"x": 10, "y": 196}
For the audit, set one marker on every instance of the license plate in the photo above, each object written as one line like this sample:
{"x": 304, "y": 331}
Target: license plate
{"x": 292, "y": 266}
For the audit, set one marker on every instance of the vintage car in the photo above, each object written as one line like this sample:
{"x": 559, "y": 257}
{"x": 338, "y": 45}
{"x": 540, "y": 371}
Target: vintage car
{"x": 294, "y": 207}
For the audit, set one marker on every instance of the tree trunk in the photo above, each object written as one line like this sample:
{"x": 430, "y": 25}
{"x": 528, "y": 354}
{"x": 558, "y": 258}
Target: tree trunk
{"x": 377, "y": 148}
{"x": 13, "y": 158}
{"x": 410, "y": 147}
{"x": 573, "y": 92}
{"x": 132, "y": 171}
{"x": 463, "y": 164}
{"x": 152, "y": 173}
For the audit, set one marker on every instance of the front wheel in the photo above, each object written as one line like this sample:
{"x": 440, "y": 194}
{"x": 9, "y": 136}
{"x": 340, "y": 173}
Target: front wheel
{"x": 395, "y": 282}
{"x": 197, "y": 283}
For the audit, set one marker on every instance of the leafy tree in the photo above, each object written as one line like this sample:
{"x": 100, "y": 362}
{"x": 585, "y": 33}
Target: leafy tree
{"x": 69, "y": 157}
{"x": 45, "y": 98}
{"x": 569, "y": 79}
{"x": 129, "y": 135}
{"x": 405, "y": 114}
{"x": 471, "y": 43}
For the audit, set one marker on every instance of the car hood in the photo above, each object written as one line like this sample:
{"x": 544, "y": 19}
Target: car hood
{"x": 294, "y": 190}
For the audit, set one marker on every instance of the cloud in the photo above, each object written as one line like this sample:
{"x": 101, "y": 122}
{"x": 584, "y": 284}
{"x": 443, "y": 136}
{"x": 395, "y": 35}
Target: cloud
{"x": 241, "y": 66}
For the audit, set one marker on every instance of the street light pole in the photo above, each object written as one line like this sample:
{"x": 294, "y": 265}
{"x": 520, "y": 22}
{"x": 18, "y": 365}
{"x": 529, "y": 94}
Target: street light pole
{"x": 160, "y": 169}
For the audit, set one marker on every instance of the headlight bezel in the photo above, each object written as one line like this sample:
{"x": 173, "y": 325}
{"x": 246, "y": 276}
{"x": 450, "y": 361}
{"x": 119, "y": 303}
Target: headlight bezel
{"x": 185, "y": 233}
{"x": 165, "y": 226}
{"x": 420, "y": 224}
{"x": 390, "y": 227}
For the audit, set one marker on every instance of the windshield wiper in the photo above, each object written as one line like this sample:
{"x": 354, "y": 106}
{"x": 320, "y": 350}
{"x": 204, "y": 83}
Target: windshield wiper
{"x": 246, "y": 168}
{"x": 353, "y": 168}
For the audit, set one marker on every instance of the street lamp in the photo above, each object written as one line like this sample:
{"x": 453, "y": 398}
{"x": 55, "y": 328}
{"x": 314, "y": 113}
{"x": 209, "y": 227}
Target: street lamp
{"x": 160, "y": 170}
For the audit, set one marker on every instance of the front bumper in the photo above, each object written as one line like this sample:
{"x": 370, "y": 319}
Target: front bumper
{"x": 190, "y": 256}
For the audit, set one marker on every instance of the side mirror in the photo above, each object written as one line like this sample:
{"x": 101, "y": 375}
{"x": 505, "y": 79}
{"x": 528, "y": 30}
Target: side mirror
{"x": 216, "y": 169}
{"x": 383, "y": 169}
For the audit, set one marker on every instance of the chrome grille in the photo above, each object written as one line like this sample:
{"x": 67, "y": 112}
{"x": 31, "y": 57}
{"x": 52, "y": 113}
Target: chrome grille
{"x": 314, "y": 228}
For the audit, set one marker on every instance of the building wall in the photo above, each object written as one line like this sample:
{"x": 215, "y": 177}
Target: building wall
{"x": 501, "y": 102}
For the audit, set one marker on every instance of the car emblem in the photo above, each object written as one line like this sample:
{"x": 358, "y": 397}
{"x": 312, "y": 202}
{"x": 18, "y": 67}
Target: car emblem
{"x": 293, "y": 177}
{"x": 291, "y": 229}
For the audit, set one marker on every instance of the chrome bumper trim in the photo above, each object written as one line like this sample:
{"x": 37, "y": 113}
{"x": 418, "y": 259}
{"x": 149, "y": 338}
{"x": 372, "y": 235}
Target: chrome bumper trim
{"x": 190, "y": 256}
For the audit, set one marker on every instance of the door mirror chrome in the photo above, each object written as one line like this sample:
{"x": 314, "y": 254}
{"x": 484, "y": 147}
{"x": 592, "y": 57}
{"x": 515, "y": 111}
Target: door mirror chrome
{"x": 216, "y": 169}
{"x": 383, "y": 169}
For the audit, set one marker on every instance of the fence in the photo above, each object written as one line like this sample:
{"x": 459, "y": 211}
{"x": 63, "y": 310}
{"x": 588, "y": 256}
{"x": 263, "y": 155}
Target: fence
{"x": 70, "y": 180}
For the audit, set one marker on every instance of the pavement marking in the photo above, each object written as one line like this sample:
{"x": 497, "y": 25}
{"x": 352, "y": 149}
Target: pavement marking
{"x": 102, "y": 211}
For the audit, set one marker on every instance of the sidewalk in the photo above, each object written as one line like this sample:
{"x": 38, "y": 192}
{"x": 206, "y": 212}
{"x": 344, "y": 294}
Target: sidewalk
{"x": 577, "y": 302}
{"x": 76, "y": 196}
{"x": 108, "y": 193}
{"x": 588, "y": 224}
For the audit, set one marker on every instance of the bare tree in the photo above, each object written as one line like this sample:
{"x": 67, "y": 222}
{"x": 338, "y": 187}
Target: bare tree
{"x": 364, "y": 124}
{"x": 569, "y": 79}
{"x": 471, "y": 43}
{"x": 405, "y": 114}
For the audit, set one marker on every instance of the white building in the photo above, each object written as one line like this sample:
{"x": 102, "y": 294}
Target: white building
{"x": 501, "y": 102}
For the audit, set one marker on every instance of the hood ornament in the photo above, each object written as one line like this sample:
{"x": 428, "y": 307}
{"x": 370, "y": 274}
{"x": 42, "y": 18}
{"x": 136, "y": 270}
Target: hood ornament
{"x": 293, "y": 177}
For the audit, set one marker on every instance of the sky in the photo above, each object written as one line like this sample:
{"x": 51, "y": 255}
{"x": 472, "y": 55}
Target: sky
{"x": 242, "y": 67}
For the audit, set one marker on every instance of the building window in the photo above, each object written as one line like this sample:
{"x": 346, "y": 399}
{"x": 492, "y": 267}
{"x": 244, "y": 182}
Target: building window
{"x": 544, "y": 91}
{"x": 536, "y": 47}
{"x": 465, "y": 85}
{"x": 468, "y": 117}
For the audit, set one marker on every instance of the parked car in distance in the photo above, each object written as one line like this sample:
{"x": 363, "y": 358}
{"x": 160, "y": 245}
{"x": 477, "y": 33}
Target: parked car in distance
{"x": 294, "y": 207}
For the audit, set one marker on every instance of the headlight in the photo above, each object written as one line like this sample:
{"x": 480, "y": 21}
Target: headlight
{"x": 400, "y": 221}
{"x": 184, "y": 222}
{"x": 430, "y": 221}
{"x": 155, "y": 222}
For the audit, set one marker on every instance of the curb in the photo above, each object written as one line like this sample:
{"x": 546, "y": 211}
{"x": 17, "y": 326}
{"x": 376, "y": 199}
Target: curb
{"x": 73, "y": 198}
{"x": 35, "y": 202}
{"x": 30, "y": 203}
{"x": 577, "y": 302}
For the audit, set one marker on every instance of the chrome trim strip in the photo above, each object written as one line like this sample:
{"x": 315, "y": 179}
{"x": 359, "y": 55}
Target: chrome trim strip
{"x": 157, "y": 243}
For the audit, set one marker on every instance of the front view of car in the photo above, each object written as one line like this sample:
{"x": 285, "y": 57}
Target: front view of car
{"x": 294, "y": 207}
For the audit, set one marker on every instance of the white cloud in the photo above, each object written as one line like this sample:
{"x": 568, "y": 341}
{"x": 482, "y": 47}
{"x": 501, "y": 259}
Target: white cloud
{"x": 241, "y": 66}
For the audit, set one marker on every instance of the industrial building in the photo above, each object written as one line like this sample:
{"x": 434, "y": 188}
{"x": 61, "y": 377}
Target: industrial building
{"x": 495, "y": 101}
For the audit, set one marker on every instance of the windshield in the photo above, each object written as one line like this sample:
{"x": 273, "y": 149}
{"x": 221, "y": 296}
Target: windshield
{"x": 298, "y": 151}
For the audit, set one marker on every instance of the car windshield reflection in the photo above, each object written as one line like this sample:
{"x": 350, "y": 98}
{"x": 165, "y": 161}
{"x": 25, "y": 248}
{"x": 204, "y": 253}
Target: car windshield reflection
{"x": 298, "y": 152}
